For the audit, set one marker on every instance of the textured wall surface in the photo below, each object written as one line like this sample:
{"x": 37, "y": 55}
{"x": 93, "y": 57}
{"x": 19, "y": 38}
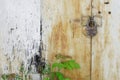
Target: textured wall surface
{"x": 20, "y": 35}
{"x": 19, "y": 32}
{"x": 67, "y": 38}
{"x": 106, "y": 45}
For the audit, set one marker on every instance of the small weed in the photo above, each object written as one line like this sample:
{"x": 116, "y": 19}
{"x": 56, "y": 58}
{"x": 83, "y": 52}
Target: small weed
{"x": 62, "y": 62}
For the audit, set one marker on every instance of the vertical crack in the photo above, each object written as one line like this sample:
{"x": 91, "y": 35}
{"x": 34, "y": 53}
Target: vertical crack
{"x": 91, "y": 58}
{"x": 91, "y": 44}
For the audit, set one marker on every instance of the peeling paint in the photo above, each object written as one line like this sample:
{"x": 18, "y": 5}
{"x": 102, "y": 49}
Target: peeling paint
{"x": 19, "y": 35}
{"x": 19, "y": 21}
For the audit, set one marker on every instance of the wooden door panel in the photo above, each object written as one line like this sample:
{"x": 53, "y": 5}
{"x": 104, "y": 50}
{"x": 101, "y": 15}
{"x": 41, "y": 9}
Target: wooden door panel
{"x": 105, "y": 54}
{"x": 66, "y": 37}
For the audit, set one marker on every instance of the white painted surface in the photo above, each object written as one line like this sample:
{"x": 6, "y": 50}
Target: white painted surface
{"x": 19, "y": 32}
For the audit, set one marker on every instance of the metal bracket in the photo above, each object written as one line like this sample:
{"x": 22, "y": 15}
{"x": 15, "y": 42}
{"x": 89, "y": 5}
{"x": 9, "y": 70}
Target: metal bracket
{"x": 90, "y": 24}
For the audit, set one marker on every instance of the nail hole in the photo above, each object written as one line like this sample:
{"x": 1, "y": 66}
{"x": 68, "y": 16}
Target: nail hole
{"x": 99, "y": 12}
{"x": 106, "y": 2}
{"x": 109, "y": 12}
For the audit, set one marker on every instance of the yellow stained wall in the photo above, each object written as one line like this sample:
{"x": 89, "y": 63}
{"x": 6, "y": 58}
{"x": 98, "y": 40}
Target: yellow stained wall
{"x": 67, "y": 37}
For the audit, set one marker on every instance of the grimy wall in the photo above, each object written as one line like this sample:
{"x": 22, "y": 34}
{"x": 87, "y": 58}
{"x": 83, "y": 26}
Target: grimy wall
{"x": 67, "y": 37}
{"x": 19, "y": 35}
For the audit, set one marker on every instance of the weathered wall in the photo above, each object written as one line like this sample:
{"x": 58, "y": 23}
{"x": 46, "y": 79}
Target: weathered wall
{"x": 19, "y": 35}
{"x": 66, "y": 37}
{"x": 106, "y": 45}
{"x": 19, "y": 32}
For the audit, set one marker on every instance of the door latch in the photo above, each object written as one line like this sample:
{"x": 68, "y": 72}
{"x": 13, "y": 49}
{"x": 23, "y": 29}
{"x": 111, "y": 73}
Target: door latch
{"x": 89, "y": 24}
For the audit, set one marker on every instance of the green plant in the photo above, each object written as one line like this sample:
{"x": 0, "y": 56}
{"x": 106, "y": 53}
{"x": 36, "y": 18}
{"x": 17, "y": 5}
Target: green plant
{"x": 22, "y": 76}
{"x": 4, "y": 77}
{"x": 54, "y": 72}
{"x": 8, "y": 76}
{"x": 17, "y": 77}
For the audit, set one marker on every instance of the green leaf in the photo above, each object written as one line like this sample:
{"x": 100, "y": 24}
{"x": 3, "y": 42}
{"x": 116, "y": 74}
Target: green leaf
{"x": 59, "y": 76}
{"x": 52, "y": 75}
{"x": 73, "y": 64}
{"x": 46, "y": 78}
{"x": 77, "y": 66}
{"x": 61, "y": 63}
{"x": 22, "y": 68}
{"x": 67, "y": 79}
{"x": 57, "y": 65}
{"x": 4, "y": 77}
{"x": 46, "y": 70}
{"x": 17, "y": 77}
{"x": 67, "y": 66}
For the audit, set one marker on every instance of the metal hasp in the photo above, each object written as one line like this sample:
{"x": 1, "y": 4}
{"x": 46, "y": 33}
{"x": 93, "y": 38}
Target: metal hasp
{"x": 90, "y": 24}
{"x": 91, "y": 27}
{"x": 91, "y": 31}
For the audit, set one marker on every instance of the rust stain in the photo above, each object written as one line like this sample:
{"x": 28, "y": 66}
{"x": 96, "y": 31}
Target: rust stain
{"x": 59, "y": 43}
{"x": 61, "y": 40}
{"x": 59, "y": 37}
{"x": 58, "y": 40}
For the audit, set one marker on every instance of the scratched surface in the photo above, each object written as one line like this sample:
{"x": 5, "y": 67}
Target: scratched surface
{"x": 19, "y": 33}
{"x": 106, "y": 45}
{"x": 65, "y": 36}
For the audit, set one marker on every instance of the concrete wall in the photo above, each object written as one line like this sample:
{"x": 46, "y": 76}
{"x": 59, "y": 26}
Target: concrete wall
{"x": 19, "y": 35}
{"x": 19, "y": 32}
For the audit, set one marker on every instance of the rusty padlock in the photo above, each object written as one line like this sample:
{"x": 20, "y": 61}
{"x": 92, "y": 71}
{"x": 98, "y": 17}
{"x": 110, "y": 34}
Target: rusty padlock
{"x": 91, "y": 27}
